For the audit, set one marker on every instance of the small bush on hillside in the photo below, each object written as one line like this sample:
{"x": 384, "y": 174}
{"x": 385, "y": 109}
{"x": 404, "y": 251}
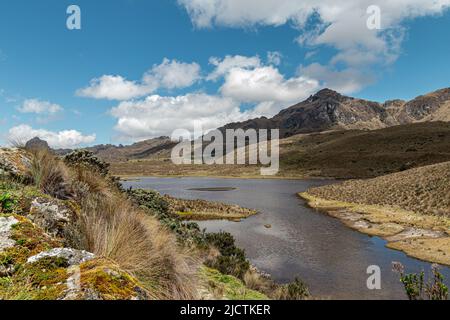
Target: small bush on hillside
{"x": 7, "y": 202}
{"x": 417, "y": 289}
{"x": 155, "y": 204}
{"x": 296, "y": 290}
{"x": 87, "y": 159}
{"x": 232, "y": 259}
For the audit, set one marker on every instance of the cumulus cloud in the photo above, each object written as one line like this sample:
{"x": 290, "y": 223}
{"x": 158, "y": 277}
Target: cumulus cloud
{"x": 160, "y": 116}
{"x": 223, "y": 66}
{"x": 169, "y": 75}
{"x": 174, "y": 74}
{"x": 341, "y": 24}
{"x": 62, "y": 139}
{"x": 246, "y": 79}
{"x": 115, "y": 88}
{"x": 266, "y": 84}
{"x": 39, "y": 107}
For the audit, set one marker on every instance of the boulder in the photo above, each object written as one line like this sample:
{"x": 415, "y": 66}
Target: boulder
{"x": 14, "y": 162}
{"x": 72, "y": 256}
{"x": 52, "y": 215}
{"x": 5, "y": 232}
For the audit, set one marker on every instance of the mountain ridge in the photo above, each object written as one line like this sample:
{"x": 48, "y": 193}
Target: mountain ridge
{"x": 330, "y": 110}
{"x": 324, "y": 111}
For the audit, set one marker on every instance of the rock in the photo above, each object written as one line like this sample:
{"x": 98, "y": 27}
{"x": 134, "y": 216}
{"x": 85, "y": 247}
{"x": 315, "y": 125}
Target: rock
{"x": 14, "y": 162}
{"x": 102, "y": 279}
{"x": 5, "y": 232}
{"x": 51, "y": 215}
{"x": 37, "y": 144}
{"x": 73, "y": 256}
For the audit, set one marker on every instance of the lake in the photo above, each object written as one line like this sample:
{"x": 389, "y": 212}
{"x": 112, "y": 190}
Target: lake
{"x": 331, "y": 258}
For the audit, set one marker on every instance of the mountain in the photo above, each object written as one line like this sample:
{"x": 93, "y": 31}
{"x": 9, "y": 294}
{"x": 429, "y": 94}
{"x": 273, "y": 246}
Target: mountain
{"x": 326, "y": 110}
{"x": 138, "y": 150}
{"x": 329, "y": 110}
{"x": 37, "y": 143}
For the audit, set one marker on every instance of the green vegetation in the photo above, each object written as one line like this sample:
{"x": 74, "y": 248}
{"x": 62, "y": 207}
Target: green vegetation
{"x": 153, "y": 203}
{"x": 7, "y": 202}
{"x": 417, "y": 289}
{"x": 232, "y": 259}
{"x": 228, "y": 286}
{"x": 88, "y": 160}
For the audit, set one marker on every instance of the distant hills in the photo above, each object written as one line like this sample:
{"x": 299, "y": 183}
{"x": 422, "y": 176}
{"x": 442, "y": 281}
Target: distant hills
{"x": 327, "y": 110}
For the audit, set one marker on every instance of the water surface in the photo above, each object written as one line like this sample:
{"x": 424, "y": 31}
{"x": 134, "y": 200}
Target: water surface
{"x": 331, "y": 258}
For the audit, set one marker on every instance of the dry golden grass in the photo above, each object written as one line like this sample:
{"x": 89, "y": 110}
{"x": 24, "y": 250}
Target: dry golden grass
{"x": 49, "y": 173}
{"x": 111, "y": 227}
{"x": 136, "y": 242}
{"x": 424, "y": 190}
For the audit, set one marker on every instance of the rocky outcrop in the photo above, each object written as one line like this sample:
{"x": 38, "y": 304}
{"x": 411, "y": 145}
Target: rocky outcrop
{"x": 53, "y": 215}
{"x": 72, "y": 256}
{"x": 38, "y": 267}
{"x": 14, "y": 162}
{"x": 37, "y": 144}
{"x": 5, "y": 232}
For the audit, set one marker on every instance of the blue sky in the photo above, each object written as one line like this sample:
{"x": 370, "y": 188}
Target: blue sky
{"x": 139, "y": 69}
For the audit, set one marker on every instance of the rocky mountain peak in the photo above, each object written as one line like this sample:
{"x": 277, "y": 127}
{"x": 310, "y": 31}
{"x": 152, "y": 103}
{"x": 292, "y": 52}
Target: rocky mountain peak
{"x": 37, "y": 143}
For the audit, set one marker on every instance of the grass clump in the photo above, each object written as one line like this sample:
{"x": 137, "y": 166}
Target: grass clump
{"x": 228, "y": 286}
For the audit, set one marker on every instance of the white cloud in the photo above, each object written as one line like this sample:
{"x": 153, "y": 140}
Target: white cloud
{"x": 62, "y": 139}
{"x": 169, "y": 75}
{"x": 39, "y": 107}
{"x": 174, "y": 74}
{"x": 230, "y": 62}
{"x": 341, "y": 24}
{"x": 115, "y": 88}
{"x": 160, "y": 116}
{"x": 266, "y": 84}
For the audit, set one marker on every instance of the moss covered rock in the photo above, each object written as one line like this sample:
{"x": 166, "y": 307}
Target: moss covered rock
{"x": 35, "y": 266}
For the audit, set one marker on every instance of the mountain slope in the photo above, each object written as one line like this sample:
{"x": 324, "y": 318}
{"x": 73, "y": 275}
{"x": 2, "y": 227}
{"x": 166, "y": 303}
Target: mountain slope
{"x": 340, "y": 154}
{"x": 329, "y": 110}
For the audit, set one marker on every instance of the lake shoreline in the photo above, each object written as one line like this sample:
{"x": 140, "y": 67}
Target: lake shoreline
{"x": 421, "y": 237}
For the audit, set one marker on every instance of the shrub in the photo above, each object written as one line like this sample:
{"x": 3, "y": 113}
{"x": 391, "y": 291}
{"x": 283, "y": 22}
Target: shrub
{"x": 232, "y": 259}
{"x": 296, "y": 290}
{"x": 152, "y": 202}
{"x": 417, "y": 289}
{"x": 87, "y": 159}
{"x": 7, "y": 202}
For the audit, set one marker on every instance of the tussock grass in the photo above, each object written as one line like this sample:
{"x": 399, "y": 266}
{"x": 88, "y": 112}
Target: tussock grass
{"x": 111, "y": 227}
{"x": 135, "y": 241}
{"x": 49, "y": 174}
